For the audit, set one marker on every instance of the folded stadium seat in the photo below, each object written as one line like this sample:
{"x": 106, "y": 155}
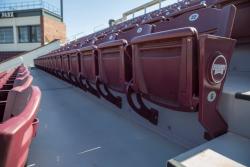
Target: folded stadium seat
{"x": 189, "y": 66}
{"x": 50, "y": 64}
{"x": 62, "y": 61}
{"x": 40, "y": 63}
{"x": 4, "y": 92}
{"x": 9, "y": 77}
{"x": 44, "y": 63}
{"x": 58, "y": 64}
{"x": 114, "y": 59}
{"x": 6, "y": 103}
{"x": 66, "y": 55}
{"x": 86, "y": 68}
{"x": 22, "y": 104}
{"x": 41, "y": 60}
{"x": 65, "y": 65}
{"x": 74, "y": 67}
{"x": 6, "y": 77}
{"x": 12, "y": 79}
{"x": 17, "y": 81}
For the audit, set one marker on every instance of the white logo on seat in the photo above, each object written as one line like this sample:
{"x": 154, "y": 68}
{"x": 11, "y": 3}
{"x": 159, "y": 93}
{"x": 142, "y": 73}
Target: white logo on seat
{"x": 203, "y": 3}
{"x": 218, "y": 69}
{"x": 139, "y": 30}
{"x": 194, "y": 17}
{"x": 211, "y": 96}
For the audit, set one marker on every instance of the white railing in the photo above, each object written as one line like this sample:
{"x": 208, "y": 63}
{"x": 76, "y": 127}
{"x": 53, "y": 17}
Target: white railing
{"x": 29, "y": 5}
{"x": 145, "y": 8}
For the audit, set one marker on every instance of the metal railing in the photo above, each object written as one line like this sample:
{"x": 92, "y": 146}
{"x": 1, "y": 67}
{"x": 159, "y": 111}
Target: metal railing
{"x": 144, "y": 8}
{"x": 29, "y": 5}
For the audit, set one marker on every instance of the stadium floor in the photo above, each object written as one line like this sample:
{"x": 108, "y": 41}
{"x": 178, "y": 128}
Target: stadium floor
{"x": 79, "y": 130}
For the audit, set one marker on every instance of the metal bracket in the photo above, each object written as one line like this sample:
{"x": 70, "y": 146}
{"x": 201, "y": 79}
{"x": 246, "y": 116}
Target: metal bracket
{"x": 116, "y": 100}
{"x": 150, "y": 114}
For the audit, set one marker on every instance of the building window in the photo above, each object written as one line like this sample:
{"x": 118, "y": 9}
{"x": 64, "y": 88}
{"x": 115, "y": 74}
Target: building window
{"x": 23, "y": 34}
{"x": 6, "y": 35}
{"x": 29, "y": 34}
{"x": 35, "y": 34}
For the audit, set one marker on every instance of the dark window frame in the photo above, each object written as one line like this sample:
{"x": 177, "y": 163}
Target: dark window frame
{"x": 30, "y": 34}
{"x": 13, "y": 39}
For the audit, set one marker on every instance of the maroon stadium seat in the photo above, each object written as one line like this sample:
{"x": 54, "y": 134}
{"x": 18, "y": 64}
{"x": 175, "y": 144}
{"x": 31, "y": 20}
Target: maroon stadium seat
{"x": 74, "y": 60}
{"x": 58, "y": 64}
{"x": 65, "y": 65}
{"x": 189, "y": 64}
{"x": 114, "y": 58}
{"x": 6, "y": 102}
{"x": 85, "y": 64}
{"x": 17, "y": 132}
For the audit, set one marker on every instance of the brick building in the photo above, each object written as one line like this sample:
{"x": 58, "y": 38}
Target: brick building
{"x": 29, "y": 26}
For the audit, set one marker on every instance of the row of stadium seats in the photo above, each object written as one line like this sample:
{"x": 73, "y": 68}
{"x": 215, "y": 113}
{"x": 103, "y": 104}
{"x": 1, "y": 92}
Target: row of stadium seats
{"x": 178, "y": 63}
{"x": 163, "y": 14}
{"x": 19, "y": 103}
{"x": 4, "y": 56}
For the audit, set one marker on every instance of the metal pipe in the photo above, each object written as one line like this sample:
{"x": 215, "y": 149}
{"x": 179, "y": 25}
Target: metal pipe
{"x": 61, "y": 4}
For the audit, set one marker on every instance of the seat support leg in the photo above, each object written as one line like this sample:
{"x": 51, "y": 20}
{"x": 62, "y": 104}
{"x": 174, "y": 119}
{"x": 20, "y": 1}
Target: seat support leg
{"x": 92, "y": 90}
{"x": 81, "y": 83}
{"x": 73, "y": 79}
{"x": 148, "y": 113}
{"x": 116, "y": 100}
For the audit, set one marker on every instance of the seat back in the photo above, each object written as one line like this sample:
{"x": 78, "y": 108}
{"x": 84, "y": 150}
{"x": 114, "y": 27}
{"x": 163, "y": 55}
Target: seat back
{"x": 65, "y": 62}
{"x": 17, "y": 99}
{"x": 24, "y": 73}
{"x": 88, "y": 63}
{"x": 19, "y": 81}
{"x": 22, "y": 68}
{"x": 133, "y": 31}
{"x": 58, "y": 60}
{"x": 162, "y": 68}
{"x": 165, "y": 64}
{"x": 206, "y": 20}
{"x": 74, "y": 60}
{"x": 16, "y": 133}
{"x": 115, "y": 57}
{"x": 242, "y": 23}
{"x": 51, "y": 63}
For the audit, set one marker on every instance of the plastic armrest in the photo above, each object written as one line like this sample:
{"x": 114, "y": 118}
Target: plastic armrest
{"x": 175, "y": 33}
{"x": 113, "y": 43}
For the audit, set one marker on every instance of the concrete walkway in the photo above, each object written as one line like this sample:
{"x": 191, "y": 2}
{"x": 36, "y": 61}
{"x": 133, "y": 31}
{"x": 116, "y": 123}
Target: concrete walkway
{"x": 79, "y": 130}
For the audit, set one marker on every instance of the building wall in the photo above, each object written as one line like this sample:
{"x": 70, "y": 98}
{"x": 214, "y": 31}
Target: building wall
{"x": 53, "y": 29}
{"x": 19, "y": 21}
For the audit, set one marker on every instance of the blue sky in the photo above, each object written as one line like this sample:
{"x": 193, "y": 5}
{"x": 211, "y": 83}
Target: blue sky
{"x": 83, "y": 16}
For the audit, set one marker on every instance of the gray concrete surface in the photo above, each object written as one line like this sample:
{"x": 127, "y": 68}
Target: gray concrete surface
{"x": 79, "y": 130}
{"x": 227, "y": 150}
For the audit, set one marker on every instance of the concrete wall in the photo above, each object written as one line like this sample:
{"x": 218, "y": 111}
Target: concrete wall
{"x": 28, "y": 58}
{"x": 14, "y": 22}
